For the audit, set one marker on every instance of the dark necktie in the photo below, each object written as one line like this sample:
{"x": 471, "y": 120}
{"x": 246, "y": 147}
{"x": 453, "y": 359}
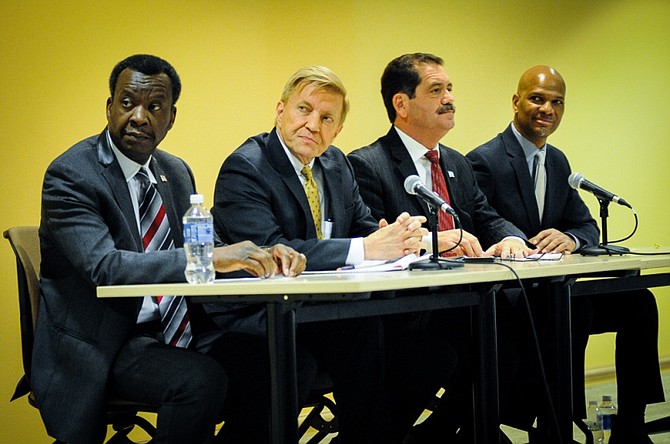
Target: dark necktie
{"x": 446, "y": 221}
{"x": 156, "y": 235}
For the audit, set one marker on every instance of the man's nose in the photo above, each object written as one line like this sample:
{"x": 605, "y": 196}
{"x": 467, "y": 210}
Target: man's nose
{"x": 139, "y": 115}
{"x": 547, "y": 107}
{"x": 313, "y": 122}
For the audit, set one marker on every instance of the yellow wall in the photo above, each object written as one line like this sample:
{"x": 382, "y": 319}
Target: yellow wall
{"x": 233, "y": 57}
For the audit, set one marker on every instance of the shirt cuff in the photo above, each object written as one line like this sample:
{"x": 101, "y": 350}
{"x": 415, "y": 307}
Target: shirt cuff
{"x": 356, "y": 253}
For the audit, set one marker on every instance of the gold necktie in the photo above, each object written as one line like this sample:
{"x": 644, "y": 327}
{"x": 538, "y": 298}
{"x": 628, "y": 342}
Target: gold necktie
{"x": 312, "y": 192}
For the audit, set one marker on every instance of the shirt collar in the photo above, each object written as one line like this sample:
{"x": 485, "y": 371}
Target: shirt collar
{"x": 129, "y": 166}
{"x": 415, "y": 149}
{"x": 528, "y": 147}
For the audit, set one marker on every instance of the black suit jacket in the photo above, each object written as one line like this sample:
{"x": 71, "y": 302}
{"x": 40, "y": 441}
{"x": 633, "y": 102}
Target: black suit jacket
{"x": 89, "y": 237}
{"x": 382, "y": 167}
{"x": 502, "y": 173}
{"x": 259, "y": 197}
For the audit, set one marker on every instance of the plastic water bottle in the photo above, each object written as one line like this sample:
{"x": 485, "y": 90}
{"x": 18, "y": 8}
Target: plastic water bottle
{"x": 608, "y": 411}
{"x": 198, "y": 242}
{"x": 594, "y": 421}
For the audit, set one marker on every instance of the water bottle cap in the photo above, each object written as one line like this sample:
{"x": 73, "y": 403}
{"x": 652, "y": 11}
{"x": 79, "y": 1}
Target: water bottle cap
{"x": 607, "y": 397}
{"x": 197, "y": 199}
{"x": 593, "y": 402}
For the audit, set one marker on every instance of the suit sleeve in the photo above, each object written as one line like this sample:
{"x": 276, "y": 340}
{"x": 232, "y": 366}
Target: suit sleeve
{"x": 370, "y": 186}
{"x": 84, "y": 232}
{"x": 249, "y": 206}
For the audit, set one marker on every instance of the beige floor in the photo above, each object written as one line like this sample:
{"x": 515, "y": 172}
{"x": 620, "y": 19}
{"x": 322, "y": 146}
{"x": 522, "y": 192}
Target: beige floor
{"x": 593, "y": 391}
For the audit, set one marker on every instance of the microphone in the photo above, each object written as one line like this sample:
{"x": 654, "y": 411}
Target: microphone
{"x": 577, "y": 180}
{"x": 413, "y": 185}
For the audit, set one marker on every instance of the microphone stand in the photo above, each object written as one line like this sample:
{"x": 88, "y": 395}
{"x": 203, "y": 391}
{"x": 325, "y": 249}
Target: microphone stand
{"x": 603, "y": 248}
{"x": 434, "y": 262}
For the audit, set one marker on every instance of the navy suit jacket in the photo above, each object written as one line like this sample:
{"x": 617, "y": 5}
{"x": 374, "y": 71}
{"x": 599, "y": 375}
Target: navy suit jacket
{"x": 382, "y": 167}
{"x": 259, "y": 197}
{"x": 89, "y": 237}
{"x": 502, "y": 173}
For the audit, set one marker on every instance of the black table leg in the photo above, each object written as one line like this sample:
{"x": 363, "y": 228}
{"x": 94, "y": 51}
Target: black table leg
{"x": 281, "y": 340}
{"x": 486, "y": 390}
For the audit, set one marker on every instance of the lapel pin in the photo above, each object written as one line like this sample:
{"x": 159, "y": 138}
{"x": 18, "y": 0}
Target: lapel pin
{"x": 163, "y": 179}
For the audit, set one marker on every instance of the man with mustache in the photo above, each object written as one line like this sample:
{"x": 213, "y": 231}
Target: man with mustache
{"x": 505, "y": 170}
{"x": 416, "y": 91}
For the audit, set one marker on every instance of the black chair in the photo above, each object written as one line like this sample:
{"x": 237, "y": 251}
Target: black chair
{"x": 320, "y": 405}
{"x": 121, "y": 415}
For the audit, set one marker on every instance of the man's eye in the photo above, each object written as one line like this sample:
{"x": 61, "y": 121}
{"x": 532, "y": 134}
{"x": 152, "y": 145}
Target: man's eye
{"x": 126, "y": 103}
{"x": 328, "y": 119}
{"x": 155, "y": 107}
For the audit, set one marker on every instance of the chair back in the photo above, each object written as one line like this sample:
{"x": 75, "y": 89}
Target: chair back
{"x": 26, "y": 245}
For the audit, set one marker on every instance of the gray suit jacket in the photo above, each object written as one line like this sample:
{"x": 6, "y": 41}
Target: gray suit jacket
{"x": 259, "y": 197}
{"x": 502, "y": 173}
{"x": 89, "y": 237}
{"x": 382, "y": 167}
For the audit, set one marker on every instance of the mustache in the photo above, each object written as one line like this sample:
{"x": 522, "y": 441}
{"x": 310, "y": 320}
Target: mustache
{"x": 447, "y": 107}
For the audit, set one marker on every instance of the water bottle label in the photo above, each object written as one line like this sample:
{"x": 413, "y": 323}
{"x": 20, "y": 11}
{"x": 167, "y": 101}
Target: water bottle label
{"x": 198, "y": 233}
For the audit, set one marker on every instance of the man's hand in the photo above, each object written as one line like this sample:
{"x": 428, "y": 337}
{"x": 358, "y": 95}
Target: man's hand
{"x": 398, "y": 239}
{"x": 289, "y": 261}
{"x": 553, "y": 241}
{"x": 469, "y": 245}
{"x": 244, "y": 256}
{"x": 512, "y": 247}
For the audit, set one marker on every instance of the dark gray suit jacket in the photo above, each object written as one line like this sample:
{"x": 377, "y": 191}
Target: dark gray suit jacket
{"x": 502, "y": 173}
{"x": 89, "y": 237}
{"x": 382, "y": 167}
{"x": 259, "y": 197}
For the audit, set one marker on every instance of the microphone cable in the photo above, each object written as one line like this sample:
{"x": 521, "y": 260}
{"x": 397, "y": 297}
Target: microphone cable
{"x": 536, "y": 345}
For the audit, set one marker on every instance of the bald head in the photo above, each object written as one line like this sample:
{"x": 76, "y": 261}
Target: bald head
{"x": 539, "y": 75}
{"x": 539, "y": 103}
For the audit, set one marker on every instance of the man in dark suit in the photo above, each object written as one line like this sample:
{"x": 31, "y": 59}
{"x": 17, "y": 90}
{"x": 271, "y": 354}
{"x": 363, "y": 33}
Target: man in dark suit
{"x": 417, "y": 94}
{"x": 504, "y": 170}
{"x": 292, "y": 186}
{"x": 91, "y": 234}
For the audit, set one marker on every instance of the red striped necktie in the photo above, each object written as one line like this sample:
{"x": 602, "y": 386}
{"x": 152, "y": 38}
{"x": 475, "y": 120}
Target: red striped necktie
{"x": 156, "y": 235}
{"x": 446, "y": 221}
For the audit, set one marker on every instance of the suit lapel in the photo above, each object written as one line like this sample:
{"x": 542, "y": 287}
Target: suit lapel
{"x": 165, "y": 190}
{"x": 524, "y": 182}
{"x": 119, "y": 188}
{"x": 277, "y": 157}
{"x": 404, "y": 164}
{"x": 332, "y": 177}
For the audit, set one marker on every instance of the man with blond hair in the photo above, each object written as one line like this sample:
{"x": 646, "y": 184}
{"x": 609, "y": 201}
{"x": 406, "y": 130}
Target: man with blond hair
{"x": 291, "y": 184}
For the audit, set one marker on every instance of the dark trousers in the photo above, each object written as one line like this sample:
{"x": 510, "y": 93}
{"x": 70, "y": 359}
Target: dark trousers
{"x": 419, "y": 360}
{"x": 194, "y": 388}
{"x": 351, "y": 351}
{"x": 633, "y": 315}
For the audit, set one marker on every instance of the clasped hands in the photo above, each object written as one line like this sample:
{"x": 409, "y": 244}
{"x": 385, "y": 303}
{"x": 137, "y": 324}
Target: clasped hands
{"x": 398, "y": 239}
{"x": 257, "y": 261}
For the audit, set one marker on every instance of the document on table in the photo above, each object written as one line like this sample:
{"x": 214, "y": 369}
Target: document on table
{"x": 537, "y": 257}
{"x": 374, "y": 266}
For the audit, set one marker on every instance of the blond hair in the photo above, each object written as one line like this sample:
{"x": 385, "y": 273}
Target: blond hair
{"x": 320, "y": 77}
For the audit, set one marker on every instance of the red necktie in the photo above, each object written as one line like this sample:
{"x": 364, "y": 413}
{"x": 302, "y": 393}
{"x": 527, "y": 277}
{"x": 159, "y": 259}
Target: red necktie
{"x": 446, "y": 221}
{"x": 156, "y": 235}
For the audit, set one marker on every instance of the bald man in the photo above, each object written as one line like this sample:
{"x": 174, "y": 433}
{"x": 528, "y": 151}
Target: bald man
{"x": 506, "y": 171}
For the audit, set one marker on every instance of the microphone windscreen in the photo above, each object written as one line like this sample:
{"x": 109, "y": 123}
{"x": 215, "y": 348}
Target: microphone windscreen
{"x": 575, "y": 179}
{"x": 411, "y": 182}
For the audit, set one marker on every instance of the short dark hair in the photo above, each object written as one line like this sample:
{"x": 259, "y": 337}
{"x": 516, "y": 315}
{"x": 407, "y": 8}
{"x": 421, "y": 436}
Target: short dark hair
{"x": 401, "y": 76}
{"x": 149, "y": 65}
